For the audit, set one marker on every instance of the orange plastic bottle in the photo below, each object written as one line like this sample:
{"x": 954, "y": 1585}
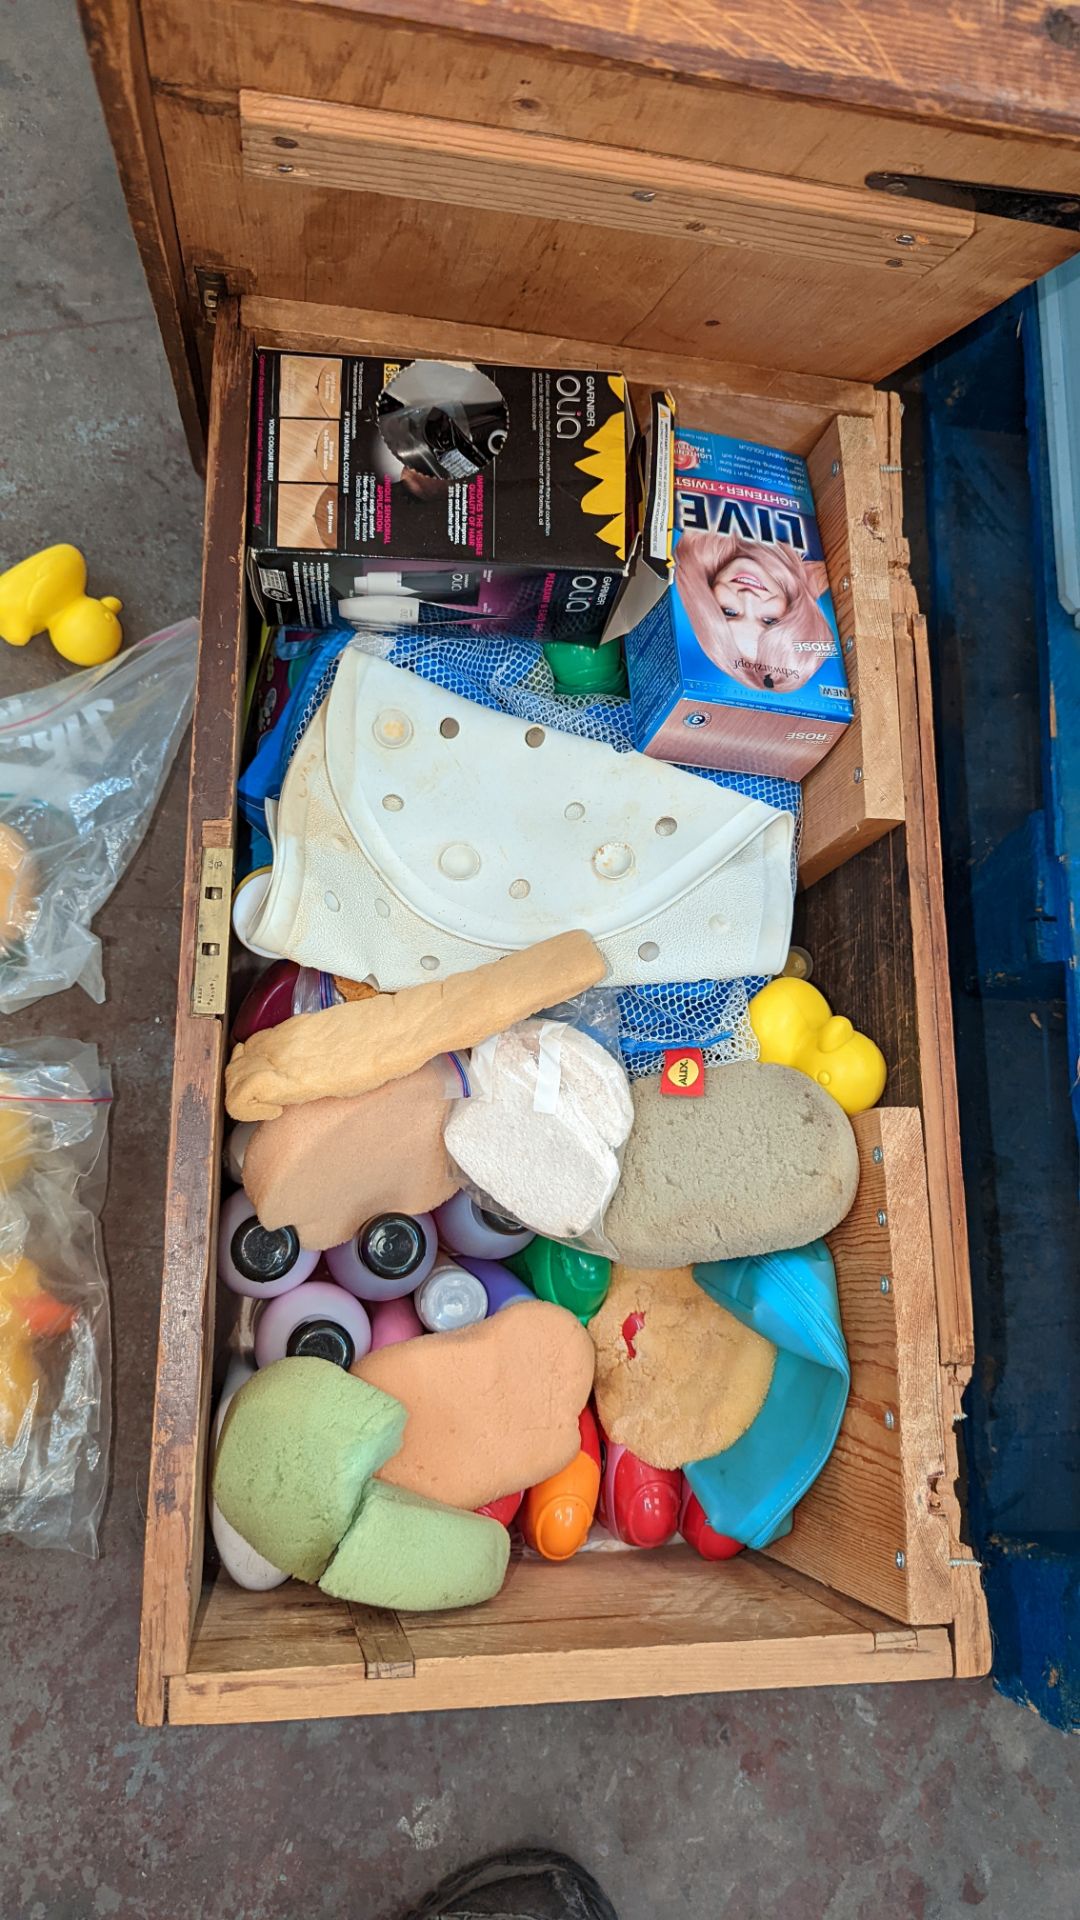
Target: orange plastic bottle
{"x": 556, "y": 1515}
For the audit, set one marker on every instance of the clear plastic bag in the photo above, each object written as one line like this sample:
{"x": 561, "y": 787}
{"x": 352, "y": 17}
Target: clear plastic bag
{"x": 54, "y": 1301}
{"x": 81, "y": 765}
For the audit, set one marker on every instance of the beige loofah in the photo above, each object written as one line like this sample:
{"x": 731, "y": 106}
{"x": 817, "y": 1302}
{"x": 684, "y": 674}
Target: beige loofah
{"x": 351, "y": 1049}
{"x": 765, "y": 1161}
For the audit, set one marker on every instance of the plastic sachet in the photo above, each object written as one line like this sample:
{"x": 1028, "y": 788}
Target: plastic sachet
{"x": 82, "y": 763}
{"x": 54, "y": 1302}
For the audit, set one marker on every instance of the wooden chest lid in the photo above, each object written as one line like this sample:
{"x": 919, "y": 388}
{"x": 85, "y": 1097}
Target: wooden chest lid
{"x": 687, "y": 181}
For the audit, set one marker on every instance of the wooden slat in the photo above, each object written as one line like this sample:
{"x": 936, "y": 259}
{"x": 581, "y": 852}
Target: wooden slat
{"x": 940, "y": 1101}
{"x": 114, "y": 38}
{"x": 441, "y": 1684}
{"x": 570, "y": 1633}
{"x": 172, "y": 1568}
{"x": 872, "y": 1525}
{"x": 305, "y": 143}
{"x": 856, "y": 793}
{"x": 1015, "y": 67}
{"x": 791, "y": 409}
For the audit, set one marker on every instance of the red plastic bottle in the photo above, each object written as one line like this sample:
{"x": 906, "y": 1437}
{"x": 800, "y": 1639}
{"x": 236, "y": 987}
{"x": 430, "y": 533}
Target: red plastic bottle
{"x": 698, "y": 1534}
{"x": 639, "y": 1504}
{"x": 504, "y": 1510}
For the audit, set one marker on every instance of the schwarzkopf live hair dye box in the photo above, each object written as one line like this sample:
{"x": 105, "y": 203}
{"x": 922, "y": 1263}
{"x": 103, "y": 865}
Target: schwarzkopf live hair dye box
{"x": 390, "y": 492}
{"x": 738, "y": 663}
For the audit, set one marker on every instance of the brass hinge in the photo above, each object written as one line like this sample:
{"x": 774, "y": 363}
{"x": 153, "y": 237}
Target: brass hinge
{"x": 213, "y": 287}
{"x": 209, "y": 986}
{"x": 1032, "y": 204}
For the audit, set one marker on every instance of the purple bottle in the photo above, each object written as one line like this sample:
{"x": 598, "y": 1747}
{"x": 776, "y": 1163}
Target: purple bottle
{"x": 390, "y": 1256}
{"x": 318, "y": 1321}
{"x": 259, "y": 1261}
{"x": 466, "y": 1227}
{"x": 501, "y": 1286}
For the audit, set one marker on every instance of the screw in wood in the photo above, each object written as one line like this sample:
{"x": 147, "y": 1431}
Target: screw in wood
{"x": 877, "y": 1156}
{"x": 883, "y": 1218}
{"x": 903, "y": 239}
{"x": 886, "y": 1283}
{"x": 643, "y": 193}
{"x": 890, "y": 1418}
{"x": 901, "y": 1558}
{"x": 857, "y": 776}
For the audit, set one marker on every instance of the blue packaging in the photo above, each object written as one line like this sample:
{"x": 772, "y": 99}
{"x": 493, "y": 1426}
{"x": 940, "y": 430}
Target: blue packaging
{"x": 739, "y": 666}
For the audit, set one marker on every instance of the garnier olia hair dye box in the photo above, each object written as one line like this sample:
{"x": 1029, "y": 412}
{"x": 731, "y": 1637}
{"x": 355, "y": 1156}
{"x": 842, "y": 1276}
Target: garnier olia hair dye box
{"x": 738, "y": 665}
{"x": 393, "y": 492}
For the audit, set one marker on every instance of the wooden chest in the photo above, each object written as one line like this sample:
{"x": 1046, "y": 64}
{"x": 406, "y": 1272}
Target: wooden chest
{"x": 700, "y": 196}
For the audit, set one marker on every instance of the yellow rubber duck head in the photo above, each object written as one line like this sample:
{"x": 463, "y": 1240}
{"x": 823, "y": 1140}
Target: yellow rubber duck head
{"x": 796, "y": 1027}
{"x": 47, "y": 591}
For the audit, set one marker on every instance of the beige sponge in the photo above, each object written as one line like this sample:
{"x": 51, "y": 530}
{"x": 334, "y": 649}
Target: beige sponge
{"x": 348, "y": 1050}
{"x": 766, "y": 1160}
{"x": 492, "y": 1409}
{"x": 326, "y": 1167}
{"x": 413, "y": 1554}
{"x": 297, "y": 1446}
{"x": 687, "y": 1381}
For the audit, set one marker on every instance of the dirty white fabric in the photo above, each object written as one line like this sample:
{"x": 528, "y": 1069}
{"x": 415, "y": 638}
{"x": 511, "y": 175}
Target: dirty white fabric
{"x": 419, "y": 834}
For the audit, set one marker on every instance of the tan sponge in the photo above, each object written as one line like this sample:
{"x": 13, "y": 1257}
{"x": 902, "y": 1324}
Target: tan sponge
{"x": 326, "y": 1167}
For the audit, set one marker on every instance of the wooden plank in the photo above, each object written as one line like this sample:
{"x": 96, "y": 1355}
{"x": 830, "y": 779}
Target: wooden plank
{"x": 293, "y": 1653}
{"x": 172, "y": 1566}
{"x": 856, "y": 923}
{"x": 872, "y": 1525}
{"x": 523, "y": 1679}
{"x": 515, "y": 270}
{"x": 940, "y": 1101}
{"x": 294, "y": 1623}
{"x": 856, "y": 793}
{"x": 383, "y": 1642}
{"x": 791, "y": 407}
{"x": 1016, "y": 67}
{"x": 305, "y": 143}
{"x": 115, "y": 41}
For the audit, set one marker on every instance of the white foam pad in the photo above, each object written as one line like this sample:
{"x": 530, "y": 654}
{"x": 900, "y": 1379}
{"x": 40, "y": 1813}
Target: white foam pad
{"x": 419, "y": 834}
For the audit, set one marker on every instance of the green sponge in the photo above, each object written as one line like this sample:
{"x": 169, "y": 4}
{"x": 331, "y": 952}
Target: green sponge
{"x": 407, "y": 1552}
{"x": 297, "y": 1445}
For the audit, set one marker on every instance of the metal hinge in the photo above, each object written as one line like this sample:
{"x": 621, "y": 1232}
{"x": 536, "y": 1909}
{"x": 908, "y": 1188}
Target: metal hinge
{"x": 210, "y": 980}
{"x": 213, "y": 286}
{"x": 973, "y": 196}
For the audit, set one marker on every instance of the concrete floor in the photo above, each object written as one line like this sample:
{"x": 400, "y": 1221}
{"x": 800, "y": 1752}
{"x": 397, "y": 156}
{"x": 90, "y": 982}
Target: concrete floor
{"x": 904, "y": 1803}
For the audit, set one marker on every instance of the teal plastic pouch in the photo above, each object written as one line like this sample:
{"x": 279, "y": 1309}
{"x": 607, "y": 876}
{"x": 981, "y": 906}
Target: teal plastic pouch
{"x": 750, "y": 1489}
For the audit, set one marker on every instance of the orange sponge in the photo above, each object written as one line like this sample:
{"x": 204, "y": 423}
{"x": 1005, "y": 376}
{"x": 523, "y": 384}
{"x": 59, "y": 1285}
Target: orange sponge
{"x": 491, "y": 1409}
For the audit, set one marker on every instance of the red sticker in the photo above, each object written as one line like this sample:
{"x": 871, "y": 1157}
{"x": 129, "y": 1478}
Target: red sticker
{"x": 684, "y": 1073}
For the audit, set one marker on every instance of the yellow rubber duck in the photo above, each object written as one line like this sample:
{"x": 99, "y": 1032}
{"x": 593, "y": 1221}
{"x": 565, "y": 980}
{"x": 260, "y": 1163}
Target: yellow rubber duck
{"x": 16, "y": 1137}
{"x": 796, "y": 1027}
{"x": 47, "y": 592}
{"x": 27, "y": 1313}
